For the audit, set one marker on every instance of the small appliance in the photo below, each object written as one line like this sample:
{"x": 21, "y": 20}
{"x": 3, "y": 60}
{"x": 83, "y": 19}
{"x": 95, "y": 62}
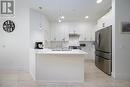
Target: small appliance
{"x": 38, "y": 45}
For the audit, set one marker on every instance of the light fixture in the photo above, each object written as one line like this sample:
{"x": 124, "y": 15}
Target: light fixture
{"x": 62, "y": 17}
{"x": 59, "y": 21}
{"x": 40, "y": 7}
{"x": 86, "y": 17}
{"x": 99, "y": 1}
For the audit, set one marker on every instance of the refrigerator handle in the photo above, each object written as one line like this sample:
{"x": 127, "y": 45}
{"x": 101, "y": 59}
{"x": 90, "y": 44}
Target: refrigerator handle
{"x": 99, "y": 38}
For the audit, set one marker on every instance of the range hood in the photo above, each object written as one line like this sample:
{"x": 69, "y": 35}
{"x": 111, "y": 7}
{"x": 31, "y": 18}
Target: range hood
{"x": 74, "y": 39}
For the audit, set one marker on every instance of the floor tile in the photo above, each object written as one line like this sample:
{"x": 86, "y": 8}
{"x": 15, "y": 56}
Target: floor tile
{"x": 93, "y": 78}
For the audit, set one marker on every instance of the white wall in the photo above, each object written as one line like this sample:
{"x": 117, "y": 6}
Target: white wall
{"x": 121, "y": 45}
{"x": 14, "y": 47}
{"x": 39, "y": 27}
{"x": 106, "y": 19}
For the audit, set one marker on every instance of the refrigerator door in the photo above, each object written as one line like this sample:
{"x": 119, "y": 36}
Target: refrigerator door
{"x": 103, "y": 46}
{"x": 97, "y": 40}
{"x": 104, "y": 40}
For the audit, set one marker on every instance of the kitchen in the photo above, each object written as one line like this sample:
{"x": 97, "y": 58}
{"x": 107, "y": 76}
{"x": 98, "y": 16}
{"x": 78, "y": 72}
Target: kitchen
{"x": 58, "y": 37}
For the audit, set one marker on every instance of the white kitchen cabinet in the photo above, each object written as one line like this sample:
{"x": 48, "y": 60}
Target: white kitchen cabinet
{"x": 92, "y": 36}
{"x": 105, "y": 21}
{"x": 74, "y": 31}
{"x": 46, "y": 35}
{"x": 35, "y": 24}
{"x": 44, "y": 24}
{"x": 39, "y": 26}
{"x": 73, "y": 28}
{"x": 87, "y": 32}
{"x": 59, "y": 32}
{"x": 83, "y": 36}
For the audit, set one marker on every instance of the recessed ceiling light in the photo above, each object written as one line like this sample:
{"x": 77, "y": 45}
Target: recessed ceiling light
{"x": 62, "y": 17}
{"x": 59, "y": 21}
{"x": 99, "y": 1}
{"x": 86, "y": 17}
{"x": 40, "y": 7}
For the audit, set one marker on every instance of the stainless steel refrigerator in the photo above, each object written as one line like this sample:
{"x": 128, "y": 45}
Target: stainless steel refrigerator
{"x": 103, "y": 49}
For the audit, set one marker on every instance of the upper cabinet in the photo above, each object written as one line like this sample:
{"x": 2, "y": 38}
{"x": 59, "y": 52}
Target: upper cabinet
{"x": 39, "y": 27}
{"x": 73, "y": 28}
{"x": 61, "y": 31}
{"x": 87, "y": 31}
{"x": 105, "y": 21}
{"x": 45, "y": 27}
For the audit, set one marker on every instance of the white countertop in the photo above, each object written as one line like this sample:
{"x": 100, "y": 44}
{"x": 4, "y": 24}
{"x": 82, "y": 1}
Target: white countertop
{"x": 49, "y": 51}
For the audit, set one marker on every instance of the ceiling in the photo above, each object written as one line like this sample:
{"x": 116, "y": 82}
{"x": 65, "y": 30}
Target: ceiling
{"x": 72, "y": 10}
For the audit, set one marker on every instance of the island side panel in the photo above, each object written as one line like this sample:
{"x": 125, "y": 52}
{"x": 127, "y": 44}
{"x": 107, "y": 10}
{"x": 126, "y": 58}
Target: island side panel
{"x": 32, "y": 63}
{"x": 60, "y": 68}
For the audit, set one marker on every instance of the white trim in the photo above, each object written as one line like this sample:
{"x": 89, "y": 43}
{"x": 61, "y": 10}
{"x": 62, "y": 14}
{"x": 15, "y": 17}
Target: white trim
{"x": 14, "y": 68}
{"x": 124, "y": 76}
{"x": 113, "y": 75}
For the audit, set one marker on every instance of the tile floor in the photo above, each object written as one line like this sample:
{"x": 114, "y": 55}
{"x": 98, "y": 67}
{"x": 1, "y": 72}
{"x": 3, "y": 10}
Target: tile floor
{"x": 93, "y": 78}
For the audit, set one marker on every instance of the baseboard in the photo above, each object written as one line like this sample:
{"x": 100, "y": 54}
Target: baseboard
{"x": 32, "y": 75}
{"x": 62, "y": 84}
{"x": 14, "y": 68}
{"x": 113, "y": 75}
{"x": 122, "y": 76}
{"x": 89, "y": 60}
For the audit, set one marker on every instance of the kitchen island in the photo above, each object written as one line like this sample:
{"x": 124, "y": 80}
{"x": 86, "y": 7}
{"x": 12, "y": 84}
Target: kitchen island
{"x": 58, "y": 65}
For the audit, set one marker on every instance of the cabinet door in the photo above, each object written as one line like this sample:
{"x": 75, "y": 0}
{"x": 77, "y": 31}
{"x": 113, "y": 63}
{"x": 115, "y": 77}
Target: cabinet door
{"x": 59, "y": 33}
{"x": 105, "y": 21}
{"x": 83, "y": 36}
{"x": 74, "y": 28}
{"x": 66, "y": 34}
{"x": 46, "y": 35}
{"x": 93, "y": 36}
{"x": 53, "y": 34}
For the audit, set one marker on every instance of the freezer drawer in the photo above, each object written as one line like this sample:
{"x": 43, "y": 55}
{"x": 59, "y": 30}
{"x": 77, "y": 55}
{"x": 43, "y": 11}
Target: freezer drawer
{"x": 104, "y": 55}
{"x": 104, "y": 65}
